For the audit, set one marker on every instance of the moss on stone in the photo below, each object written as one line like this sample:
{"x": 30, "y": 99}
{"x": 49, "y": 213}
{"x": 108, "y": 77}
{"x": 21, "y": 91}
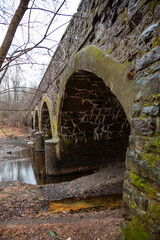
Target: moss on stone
{"x": 148, "y": 104}
{"x": 132, "y": 205}
{"x": 155, "y": 211}
{"x": 143, "y": 117}
{"x": 156, "y": 42}
{"x": 109, "y": 50}
{"x": 124, "y": 15}
{"x": 152, "y": 148}
{"x": 143, "y": 185}
{"x": 68, "y": 141}
{"x": 152, "y": 6}
{"x": 134, "y": 230}
{"x": 150, "y": 159}
{"x": 152, "y": 145}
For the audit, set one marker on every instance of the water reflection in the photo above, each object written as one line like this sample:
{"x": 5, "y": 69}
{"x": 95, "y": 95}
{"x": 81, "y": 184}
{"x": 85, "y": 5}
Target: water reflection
{"x": 17, "y": 166}
{"x": 27, "y": 166}
{"x": 15, "y": 170}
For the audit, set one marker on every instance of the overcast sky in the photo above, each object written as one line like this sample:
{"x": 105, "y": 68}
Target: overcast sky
{"x": 35, "y": 72}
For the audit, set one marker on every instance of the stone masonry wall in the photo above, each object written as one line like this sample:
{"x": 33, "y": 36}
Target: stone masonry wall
{"x": 129, "y": 31}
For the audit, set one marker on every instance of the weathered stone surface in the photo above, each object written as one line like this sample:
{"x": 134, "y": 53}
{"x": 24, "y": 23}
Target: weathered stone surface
{"x": 143, "y": 126}
{"x": 147, "y": 86}
{"x": 152, "y": 110}
{"x": 139, "y": 142}
{"x": 155, "y": 67}
{"x": 142, "y": 206}
{"x": 136, "y": 163}
{"x": 148, "y": 58}
{"x": 136, "y": 109}
{"x": 39, "y": 142}
{"x": 149, "y": 32}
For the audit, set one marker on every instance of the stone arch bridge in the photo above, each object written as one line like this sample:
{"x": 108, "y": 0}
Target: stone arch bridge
{"x": 99, "y": 103}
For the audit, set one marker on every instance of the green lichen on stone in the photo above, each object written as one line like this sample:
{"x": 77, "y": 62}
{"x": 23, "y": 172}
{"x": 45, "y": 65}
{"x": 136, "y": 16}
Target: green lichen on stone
{"x": 143, "y": 117}
{"x": 155, "y": 211}
{"x": 152, "y": 99}
{"x": 132, "y": 205}
{"x": 156, "y": 42}
{"x": 108, "y": 51}
{"x": 124, "y": 15}
{"x": 47, "y": 134}
{"x": 151, "y": 159}
{"x": 143, "y": 185}
{"x": 157, "y": 96}
{"x": 148, "y": 104}
{"x": 152, "y": 145}
{"x": 152, "y": 6}
{"x": 152, "y": 148}
{"x": 134, "y": 230}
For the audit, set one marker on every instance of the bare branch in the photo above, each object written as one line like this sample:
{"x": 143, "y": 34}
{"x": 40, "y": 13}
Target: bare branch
{"x": 12, "y": 29}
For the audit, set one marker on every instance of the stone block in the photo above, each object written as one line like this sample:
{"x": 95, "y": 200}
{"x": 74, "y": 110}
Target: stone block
{"x": 148, "y": 32}
{"x": 136, "y": 109}
{"x": 144, "y": 127}
{"x": 148, "y": 58}
{"x": 39, "y": 142}
{"x": 152, "y": 110}
{"x": 51, "y": 156}
{"x": 138, "y": 165}
{"x": 147, "y": 86}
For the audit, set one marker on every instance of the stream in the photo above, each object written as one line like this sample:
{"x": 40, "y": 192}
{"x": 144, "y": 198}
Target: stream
{"x": 19, "y": 162}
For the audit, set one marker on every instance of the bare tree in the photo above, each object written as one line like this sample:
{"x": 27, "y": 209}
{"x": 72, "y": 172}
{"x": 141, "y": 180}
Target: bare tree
{"x": 12, "y": 29}
{"x": 36, "y": 30}
{"x": 14, "y": 97}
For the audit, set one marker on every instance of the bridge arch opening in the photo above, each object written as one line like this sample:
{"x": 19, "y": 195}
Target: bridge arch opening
{"x": 32, "y": 125}
{"x": 93, "y": 127}
{"x": 45, "y": 122}
{"x": 36, "y": 121}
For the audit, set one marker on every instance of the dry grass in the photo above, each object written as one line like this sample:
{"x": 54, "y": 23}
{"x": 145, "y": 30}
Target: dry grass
{"x": 8, "y": 131}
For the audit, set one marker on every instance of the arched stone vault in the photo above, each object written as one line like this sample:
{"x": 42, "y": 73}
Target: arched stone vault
{"x": 36, "y": 118}
{"x": 93, "y": 63}
{"x": 94, "y": 60}
{"x": 49, "y": 106}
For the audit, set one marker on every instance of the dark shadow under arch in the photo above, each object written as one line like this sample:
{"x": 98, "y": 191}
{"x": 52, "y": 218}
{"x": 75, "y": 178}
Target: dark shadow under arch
{"x": 32, "y": 126}
{"x": 36, "y": 121}
{"x": 45, "y": 122}
{"x": 93, "y": 128}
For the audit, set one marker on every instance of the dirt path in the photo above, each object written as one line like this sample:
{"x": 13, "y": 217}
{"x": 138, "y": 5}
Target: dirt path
{"x": 103, "y": 225}
{"x": 24, "y": 215}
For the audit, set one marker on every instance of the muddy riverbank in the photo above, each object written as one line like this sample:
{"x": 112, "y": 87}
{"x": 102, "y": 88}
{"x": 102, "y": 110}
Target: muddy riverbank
{"x": 24, "y": 208}
{"x": 24, "y": 214}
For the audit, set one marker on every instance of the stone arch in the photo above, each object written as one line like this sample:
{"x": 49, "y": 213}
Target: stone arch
{"x": 93, "y": 127}
{"x": 95, "y": 70}
{"x": 46, "y": 117}
{"x": 94, "y": 60}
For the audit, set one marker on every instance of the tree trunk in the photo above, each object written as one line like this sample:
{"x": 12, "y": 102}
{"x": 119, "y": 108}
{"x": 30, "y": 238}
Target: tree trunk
{"x": 12, "y": 29}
